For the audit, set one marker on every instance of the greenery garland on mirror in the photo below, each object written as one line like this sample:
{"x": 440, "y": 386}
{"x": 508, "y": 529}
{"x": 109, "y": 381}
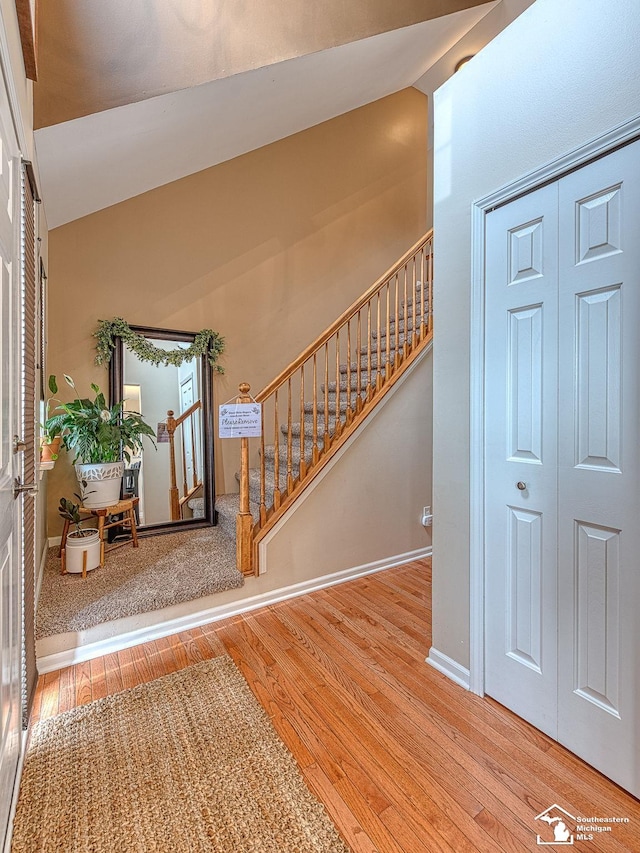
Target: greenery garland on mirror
{"x": 206, "y": 342}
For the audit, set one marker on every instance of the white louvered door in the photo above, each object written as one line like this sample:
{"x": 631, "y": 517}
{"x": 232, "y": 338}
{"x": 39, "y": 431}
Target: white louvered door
{"x": 563, "y": 419}
{"x": 10, "y": 538}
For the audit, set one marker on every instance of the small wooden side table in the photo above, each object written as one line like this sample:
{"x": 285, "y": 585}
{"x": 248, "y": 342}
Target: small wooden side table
{"x": 124, "y": 508}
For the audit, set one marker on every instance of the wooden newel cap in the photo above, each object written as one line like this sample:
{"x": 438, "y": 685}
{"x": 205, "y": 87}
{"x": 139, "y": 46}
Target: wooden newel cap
{"x": 170, "y": 413}
{"x": 244, "y": 387}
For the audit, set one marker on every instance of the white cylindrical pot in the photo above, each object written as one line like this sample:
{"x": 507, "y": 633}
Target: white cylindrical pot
{"x": 76, "y": 546}
{"x": 103, "y": 483}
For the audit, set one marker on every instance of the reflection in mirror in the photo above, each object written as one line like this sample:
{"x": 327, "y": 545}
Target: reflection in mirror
{"x": 174, "y": 483}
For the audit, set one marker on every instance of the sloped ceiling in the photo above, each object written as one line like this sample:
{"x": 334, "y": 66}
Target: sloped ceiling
{"x": 91, "y": 162}
{"x": 95, "y": 55}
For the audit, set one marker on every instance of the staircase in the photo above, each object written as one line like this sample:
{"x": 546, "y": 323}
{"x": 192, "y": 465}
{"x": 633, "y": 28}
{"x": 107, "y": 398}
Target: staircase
{"x": 317, "y": 403}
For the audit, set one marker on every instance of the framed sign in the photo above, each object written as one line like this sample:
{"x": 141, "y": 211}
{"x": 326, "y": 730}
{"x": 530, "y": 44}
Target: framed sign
{"x": 162, "y": 433}
{"x": 240, "y": 420}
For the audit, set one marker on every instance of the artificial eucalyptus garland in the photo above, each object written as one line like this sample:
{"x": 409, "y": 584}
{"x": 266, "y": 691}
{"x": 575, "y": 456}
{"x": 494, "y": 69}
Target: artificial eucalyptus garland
{"x": 206, "y": 342}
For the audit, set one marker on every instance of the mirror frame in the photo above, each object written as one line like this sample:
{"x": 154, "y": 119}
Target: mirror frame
{"x": 116, "y": 394}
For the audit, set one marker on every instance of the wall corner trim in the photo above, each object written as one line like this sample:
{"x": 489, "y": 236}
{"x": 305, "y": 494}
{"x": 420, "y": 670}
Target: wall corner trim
{"x": 449, "y": 667}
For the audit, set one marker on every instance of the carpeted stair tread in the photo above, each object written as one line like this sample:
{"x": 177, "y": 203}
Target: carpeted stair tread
{"x": 308, "y": 426}
{"x": 308, "y": 407}
{"x": 403, "y": 326}
{"x": 354, "y": 383}
{"x": 269, "y": 485}
{"x": 270, "y": 453}
{"x": 228, "y": 507}
{"x": 364, "y": 363}
{"x": 409, "y": 299}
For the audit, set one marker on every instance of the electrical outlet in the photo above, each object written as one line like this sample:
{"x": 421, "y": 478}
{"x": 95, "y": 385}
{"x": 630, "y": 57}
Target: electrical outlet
{"x": 427, "y": 518}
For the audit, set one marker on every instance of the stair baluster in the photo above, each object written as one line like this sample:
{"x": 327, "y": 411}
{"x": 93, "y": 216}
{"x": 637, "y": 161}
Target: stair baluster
{"x": 398, "y": 323}
{"x": 244, "y": 520}
{"x": 316, "y": 451}
{"x": 349, "y": 412}
{"x": 276, "y": 458}
{"x": 289, "y": 441}
{"x": 303, "y": 461}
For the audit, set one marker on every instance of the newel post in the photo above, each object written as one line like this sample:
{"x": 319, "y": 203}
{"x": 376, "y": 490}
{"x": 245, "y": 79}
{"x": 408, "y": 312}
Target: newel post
{"x": 174, "y": 495}
{"x": 244, "y": 519}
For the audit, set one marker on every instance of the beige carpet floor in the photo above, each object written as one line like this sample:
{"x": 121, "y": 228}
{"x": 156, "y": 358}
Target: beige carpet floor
{"x": 164, "y": 570}
{"x": 189, "y": 763}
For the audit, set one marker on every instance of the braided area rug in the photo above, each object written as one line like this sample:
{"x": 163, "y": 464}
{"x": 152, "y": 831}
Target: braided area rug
{"x": 189, "y": 762}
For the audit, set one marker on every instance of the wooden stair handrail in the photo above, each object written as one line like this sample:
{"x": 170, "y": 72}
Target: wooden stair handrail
{"x": 187, "y": 414}
{"x": 342, "y": 319}
{"x": 389, "y": 327}
{"x": 175, "y": 501}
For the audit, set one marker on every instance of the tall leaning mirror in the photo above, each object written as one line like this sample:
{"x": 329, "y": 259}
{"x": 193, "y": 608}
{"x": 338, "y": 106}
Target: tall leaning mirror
{"x": 175, "y": 484}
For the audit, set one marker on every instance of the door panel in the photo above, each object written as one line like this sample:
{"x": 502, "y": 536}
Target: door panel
{"x": 598, "y": 475}
{"x": 10, "y": 568}
{"x": 562, "y": 637}
{"x": 520, "y": 427}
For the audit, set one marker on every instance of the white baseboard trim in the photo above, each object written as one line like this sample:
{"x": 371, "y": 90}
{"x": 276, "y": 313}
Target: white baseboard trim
{"x": 449, "y": 667}
{"x": 58, "y": 660}
{"x": 54, "y": 541}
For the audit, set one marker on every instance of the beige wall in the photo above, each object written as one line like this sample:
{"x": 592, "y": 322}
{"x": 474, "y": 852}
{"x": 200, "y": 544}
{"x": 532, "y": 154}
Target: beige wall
{"x": 267, "y": 249}
{"x": 96, "y": 55}
{"x": 573, "y": 72}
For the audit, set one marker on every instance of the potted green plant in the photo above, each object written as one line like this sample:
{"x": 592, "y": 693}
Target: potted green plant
{"x": 79, "y": 541}
{"x": 100, "y": 437}
{"x": 50, "y": 437}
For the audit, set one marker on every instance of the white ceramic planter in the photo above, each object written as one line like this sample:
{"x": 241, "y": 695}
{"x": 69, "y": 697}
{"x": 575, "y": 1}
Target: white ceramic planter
{"x": 103, "y": 480}
{"x": 76, "y": 546}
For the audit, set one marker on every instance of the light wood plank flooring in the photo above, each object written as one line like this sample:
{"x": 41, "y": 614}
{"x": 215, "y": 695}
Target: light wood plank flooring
{"x": 404, "y": 760}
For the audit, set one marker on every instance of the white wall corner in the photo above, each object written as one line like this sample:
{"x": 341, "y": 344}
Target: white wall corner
{"x": 449, "y": 667}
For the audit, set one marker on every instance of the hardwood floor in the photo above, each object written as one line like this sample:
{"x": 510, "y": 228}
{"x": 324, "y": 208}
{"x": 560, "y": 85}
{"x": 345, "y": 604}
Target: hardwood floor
{"x": 403, "y": 759}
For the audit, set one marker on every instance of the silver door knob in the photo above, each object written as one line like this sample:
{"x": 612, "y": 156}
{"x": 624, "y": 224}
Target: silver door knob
{"x": 520, "y": 485}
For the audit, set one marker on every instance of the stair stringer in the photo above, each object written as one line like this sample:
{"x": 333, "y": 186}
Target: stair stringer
{"x": 419, "y": 366}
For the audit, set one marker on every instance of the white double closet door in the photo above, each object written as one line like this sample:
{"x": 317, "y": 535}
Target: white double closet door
{"x": 562, "y": 461}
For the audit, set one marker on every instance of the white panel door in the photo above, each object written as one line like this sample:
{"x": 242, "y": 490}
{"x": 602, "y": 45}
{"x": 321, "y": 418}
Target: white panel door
{"x": 521, "y": 456}
{"x": 562, "y": 638}
{"x": 599, "y": 466}
{"x": 10, "y": 557}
